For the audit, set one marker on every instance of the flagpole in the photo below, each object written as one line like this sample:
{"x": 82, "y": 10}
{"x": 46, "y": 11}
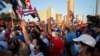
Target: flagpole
{"x": 21, "y": 13}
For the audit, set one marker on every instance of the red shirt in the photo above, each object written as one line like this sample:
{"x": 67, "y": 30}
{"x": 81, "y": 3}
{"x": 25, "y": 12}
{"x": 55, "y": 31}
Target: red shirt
{"x": 57, "y": 45}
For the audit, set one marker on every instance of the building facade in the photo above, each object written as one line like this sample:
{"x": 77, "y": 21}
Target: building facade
{"x": 45, "y": 14}
{"x": 59, "y": 18}
{"x": 70, "y": 9}
{"x": 80, "y": 17}
{"x": 42, "y": 14}
{"x": 66, "y": 20}
{"x": 50, "y": 12}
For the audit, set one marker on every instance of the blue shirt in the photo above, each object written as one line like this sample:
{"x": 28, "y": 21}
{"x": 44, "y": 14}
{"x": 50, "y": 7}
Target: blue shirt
{"x": 1, "y": 36}
{"x": 21, "y": 37}
{"x": 70, "y": 36}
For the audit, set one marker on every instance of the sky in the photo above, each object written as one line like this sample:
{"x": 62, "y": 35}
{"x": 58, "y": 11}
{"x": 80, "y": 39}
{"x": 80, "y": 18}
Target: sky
{"x": 85, "y": 7}
{"x": 80, "y": 7}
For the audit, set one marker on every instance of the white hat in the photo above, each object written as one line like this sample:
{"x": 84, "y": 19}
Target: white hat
{"x": 86, "y": 39}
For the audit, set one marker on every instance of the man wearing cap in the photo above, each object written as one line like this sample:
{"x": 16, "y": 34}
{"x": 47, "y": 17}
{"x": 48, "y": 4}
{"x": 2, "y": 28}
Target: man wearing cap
{"x": 56, "y": 43}
{"x": 84, "y": 45}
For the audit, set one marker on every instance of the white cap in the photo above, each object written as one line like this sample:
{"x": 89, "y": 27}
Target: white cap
{"x": 86, "y": 39}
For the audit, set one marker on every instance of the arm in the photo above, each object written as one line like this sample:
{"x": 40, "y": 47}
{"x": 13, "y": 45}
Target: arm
{"x": 27, "y": 39}
{"x": 47, "y": 29}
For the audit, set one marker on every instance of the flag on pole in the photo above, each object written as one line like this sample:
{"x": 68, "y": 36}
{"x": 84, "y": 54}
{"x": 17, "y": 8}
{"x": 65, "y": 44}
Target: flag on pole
{"x": 71, "y": 15}
{"x": 23, "y": 7}
{"x": 15, "y": 4}
{"x": 27, "y": 11}
{"x": 28, "y": 4}
{"x": 35, "y": 14}
{"x": 24, "y": 11}
{"x": 21, "y": 3}
{"x": 2, "y": 6}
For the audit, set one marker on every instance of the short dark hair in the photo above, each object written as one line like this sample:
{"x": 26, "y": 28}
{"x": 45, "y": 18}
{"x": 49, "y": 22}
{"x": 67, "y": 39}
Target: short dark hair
{"x": 43, "y": 47}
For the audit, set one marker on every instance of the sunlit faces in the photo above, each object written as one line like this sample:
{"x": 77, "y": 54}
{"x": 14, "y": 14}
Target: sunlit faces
{"x": 55, "y": 34}
{"x": 34, "y": 42}
{"x": 13, "y": 34}
{"x": 42, "y": 35}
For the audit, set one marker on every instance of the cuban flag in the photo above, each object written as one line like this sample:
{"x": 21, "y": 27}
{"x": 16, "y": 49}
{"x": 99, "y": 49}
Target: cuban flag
{"x": 25, "y": 9}
{"x": 71, "y": 15}
{"x": 2, "y": 6}
{"x": 28, "y": 4}
{"x": 30, "y": 11}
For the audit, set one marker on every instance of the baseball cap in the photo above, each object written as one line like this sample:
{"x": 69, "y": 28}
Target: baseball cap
{"x": 86, "y": 39}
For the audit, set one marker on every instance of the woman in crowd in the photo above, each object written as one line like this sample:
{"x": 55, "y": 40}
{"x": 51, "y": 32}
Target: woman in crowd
{"x": 69, "y": 39}
{"x": 36, "y": 46}
{"x": 56, "y": 42}
{"x": 84, "y": 45}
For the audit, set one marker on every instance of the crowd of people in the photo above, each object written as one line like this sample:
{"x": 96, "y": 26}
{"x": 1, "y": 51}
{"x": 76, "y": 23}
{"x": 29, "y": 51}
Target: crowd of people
{"x": 49, "y": 39}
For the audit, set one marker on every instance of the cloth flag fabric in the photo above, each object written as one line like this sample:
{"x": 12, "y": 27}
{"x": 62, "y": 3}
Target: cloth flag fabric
{"x": 27, "y": 10}
{"x": 22, "y": 7}
{"x": 2, "y": 6}
{"x": 14, "y": 3}
{"x": 24, "y": 11}
{"x": 71, "y": 15}
{"x": 28, "y": 4}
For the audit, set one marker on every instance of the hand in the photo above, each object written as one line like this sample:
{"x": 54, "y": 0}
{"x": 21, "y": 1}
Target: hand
{"x": 23, "y": 25}
{"x": 48, "y": 20}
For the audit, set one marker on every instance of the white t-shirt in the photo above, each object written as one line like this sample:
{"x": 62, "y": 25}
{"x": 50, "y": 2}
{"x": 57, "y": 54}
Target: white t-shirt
{"x": 32, "y": 51}
{"x": 45, "y": 40}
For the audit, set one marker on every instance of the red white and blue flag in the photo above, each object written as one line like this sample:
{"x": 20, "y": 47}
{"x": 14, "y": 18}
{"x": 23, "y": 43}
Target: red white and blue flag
{"x": 26, "y": 11}
{"x": 21, "y": 7}
{"x": 28, "y": 4}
